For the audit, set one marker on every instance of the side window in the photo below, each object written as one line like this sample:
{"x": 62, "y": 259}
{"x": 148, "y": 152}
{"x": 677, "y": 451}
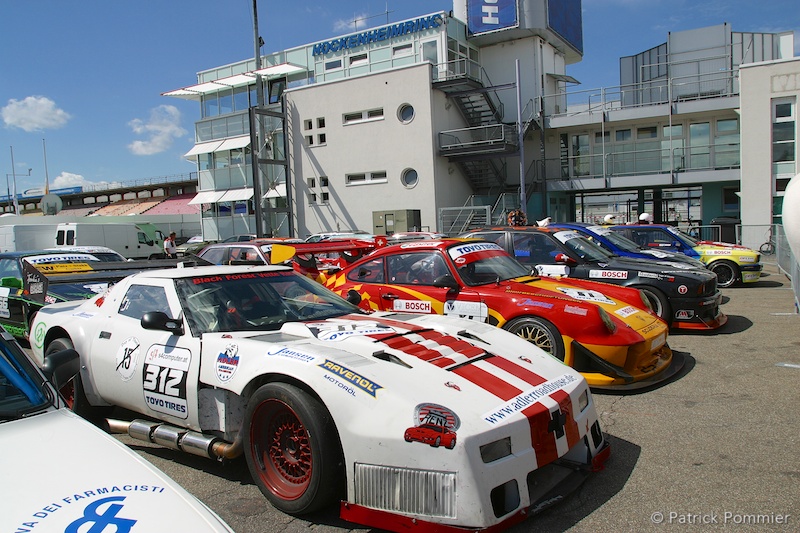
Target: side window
{"x": 371, "y": 272}
{"x": 418, "y": 268}
{"x": 214, "y": 255}
{"x": 141, "y": 299}
{"x": 10, "y": 268}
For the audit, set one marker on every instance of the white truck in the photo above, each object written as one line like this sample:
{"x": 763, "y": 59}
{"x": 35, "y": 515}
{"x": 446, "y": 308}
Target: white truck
{"x": 18, "y": 237}
{"x": 133, "y": 240}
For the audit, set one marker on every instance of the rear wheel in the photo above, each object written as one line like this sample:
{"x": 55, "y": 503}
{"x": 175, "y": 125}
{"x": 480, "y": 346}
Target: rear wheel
{"x": 539, "y": 332}
{"x": 292, "y": 449}
{"x": 73, "y": 391}
{"x": 726, "y": 271}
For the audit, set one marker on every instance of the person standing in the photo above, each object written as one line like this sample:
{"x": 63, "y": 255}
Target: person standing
{"x": 170, "y": 250}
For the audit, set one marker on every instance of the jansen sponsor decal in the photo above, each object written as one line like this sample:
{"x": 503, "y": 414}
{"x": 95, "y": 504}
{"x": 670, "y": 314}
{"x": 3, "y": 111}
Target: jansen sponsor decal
{"x": 412, "y": 306}
{"x": 608, "y": 274}
{"x": 289, "y": 353}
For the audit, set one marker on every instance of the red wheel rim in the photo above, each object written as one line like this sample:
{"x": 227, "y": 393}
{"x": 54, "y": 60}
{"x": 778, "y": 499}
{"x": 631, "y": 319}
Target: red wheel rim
{"x": 281, "y": 449}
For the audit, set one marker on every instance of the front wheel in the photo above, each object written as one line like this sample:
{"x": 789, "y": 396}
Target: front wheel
{"x": 727, "y": 273}
{"x": 74, "y": 393}
{"x": 539, "y": 332}
{"x": 292, "y": 449}
{"x": 659, "y": 302}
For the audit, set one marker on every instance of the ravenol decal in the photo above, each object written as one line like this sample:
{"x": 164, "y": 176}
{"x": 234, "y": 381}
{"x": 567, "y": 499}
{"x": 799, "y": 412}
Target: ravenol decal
{"x": 127, "y": 357}
{"x": 164, "y": 376}
{"x": 608, "y": 274}
{"x": 586, "y": 295}
{"x": 367, "y": 385}
{"x": 527, "y": 398}
{"x": 412, "y": 306}
{"x": 227, "y": 363}
{"x": 377, "y": 35}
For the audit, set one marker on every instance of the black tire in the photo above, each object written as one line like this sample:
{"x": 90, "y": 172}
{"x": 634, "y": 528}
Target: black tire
{"x": 727, "y": 273}
{"x": 73, "y": 391}
{"x": 292, "y": 449}
{"x": 539, "y": 332}
{"x": 659, "y": 301}
{"x": 437, "y": 442}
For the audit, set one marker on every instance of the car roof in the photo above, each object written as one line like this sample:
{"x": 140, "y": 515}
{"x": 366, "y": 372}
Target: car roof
{"x": 518, "y": 229}
{"x": 213, "y": 270}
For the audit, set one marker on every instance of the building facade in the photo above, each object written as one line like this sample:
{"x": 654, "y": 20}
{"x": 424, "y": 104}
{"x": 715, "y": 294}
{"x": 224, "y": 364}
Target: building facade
{"x": 449, "y": 120}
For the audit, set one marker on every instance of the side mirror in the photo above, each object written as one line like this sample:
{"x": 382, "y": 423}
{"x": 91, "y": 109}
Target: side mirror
{"x": 446, "y": 281}
{"x": 564, "y": 259}
{"x": 353, "y": 297}
{"x": 160, "y": 321}
{"x": 61, "y": 367}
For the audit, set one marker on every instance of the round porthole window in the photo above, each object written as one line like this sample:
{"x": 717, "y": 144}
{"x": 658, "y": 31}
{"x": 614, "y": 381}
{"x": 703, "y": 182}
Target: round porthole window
{"x": 405, "y": 113}
{"x": 409, "y": 178}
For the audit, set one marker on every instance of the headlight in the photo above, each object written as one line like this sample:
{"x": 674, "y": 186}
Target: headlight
{"x": 607, "y": 320}
{"x": 645, "y": 300}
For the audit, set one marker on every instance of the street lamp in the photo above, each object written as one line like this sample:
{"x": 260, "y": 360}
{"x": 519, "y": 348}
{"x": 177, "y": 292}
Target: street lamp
{"x": 8, "y": 187}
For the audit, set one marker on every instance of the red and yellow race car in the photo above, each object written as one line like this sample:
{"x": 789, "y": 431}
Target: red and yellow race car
{"x": 606, "y": 332}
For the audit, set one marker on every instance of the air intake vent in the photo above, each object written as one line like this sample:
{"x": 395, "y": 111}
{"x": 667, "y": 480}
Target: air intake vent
{"x": 406, "y": 490}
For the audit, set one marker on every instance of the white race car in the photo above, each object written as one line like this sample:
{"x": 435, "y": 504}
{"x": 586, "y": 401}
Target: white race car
{"x": 403, "y": 419}
{"x": 61, "y": 473}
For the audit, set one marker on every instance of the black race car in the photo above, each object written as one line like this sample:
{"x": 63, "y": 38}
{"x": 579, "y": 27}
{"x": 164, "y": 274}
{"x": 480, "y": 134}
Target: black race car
{"x": 686, "y": 297}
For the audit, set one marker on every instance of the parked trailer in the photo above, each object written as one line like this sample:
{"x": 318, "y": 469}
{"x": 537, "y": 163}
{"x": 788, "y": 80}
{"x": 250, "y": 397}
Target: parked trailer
{"x": 19, "y": 237}
{"x": 133, "y": 240}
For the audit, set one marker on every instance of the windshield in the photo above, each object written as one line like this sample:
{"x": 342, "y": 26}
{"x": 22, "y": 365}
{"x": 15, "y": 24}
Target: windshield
{"x": 621, "y": 242}
{"x": 256, "y": 301}
{"x": 484, "y": 263}
{"x": 21, "y": 386}
{"x": 582, "y": 247}
{"x": 687, "y": 239}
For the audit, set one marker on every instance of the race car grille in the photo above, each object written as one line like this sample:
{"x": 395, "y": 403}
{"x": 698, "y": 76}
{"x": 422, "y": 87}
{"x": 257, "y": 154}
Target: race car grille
{"x": 406, "y": 490}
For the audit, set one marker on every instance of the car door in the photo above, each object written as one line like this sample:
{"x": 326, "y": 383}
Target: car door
{"x": 153, "y": 372}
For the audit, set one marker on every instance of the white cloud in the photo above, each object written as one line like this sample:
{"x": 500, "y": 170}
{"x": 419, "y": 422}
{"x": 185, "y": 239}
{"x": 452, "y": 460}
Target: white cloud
{"x": 356, "y": 23}
{"x": 34, "y": 113}
{"x": 163, "y": 127}
{"x": 68, "y": 179}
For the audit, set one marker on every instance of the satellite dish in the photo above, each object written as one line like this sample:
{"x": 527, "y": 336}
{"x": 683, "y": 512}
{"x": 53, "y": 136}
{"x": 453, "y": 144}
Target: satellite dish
{"x": 51, "y": 204}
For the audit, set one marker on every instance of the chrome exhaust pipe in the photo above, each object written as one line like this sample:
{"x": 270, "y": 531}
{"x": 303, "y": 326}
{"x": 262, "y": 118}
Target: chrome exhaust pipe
{"x": 176, "y": 438}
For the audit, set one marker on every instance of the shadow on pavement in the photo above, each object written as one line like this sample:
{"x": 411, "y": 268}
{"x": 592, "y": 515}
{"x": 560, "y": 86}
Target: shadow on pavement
{"x": 735, "y": 324}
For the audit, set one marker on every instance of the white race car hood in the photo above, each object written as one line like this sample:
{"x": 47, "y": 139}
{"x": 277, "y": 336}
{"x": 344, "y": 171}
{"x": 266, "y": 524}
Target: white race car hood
{"x": 60, "y": 473}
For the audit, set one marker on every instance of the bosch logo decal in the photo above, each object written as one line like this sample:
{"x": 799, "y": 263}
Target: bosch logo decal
{"x": 412, "y": 306}
{"x": 608, "y": 274}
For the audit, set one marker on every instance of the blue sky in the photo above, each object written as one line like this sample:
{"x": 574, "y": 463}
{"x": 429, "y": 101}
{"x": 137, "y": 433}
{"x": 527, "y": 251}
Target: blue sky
{"x": 81, "y": 80}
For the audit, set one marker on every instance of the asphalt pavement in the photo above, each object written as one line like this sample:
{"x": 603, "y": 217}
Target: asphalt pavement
{"x": 715, "y": 448}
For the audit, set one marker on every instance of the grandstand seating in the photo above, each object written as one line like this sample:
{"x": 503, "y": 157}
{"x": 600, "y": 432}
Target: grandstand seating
{"x": 175, "y": 205}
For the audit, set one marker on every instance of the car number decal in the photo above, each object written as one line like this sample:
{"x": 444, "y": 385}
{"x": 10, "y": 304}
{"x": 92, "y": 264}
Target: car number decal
{"x": 412, "y": 306}
{"x": 586, "y": 295}
{"x": 164, "y": 377}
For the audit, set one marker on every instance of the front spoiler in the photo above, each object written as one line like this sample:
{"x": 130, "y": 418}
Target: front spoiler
{"x": 675, "y": 366}
{"x": 394, "y": 522}
{"x": 702, "y": 325}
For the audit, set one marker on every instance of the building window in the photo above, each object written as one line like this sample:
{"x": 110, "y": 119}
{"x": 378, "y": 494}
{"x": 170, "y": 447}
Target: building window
{"x": 726, "y": 144}
{"x": 623, "y": 135}
{"x": 362, "y": 116}
{"x": 673, "y": 131}
{"x": 308, "y": 124}
{"x": 409, "y": 178}
{"x": 365, "y": 178}
{"x": 321, "y": 122}
{"x": 310, "y": 140}
{"x": 405, "y": 113}
{"x": 321, "y": 138}
{"x": 312, "y": 198}
{"x": 359, "y": 59}
{"x": 580, "y": 155}
{"x": 323, "y": 181}
{"x": 730, "y": 200}
{"x": 311, "y": 183}
{"x": 324, "y": 198}
{"x": 335, "y": 64}
{"x": 402, "y": 50}
{"x": 783, "y": 142}
{"x": 647, "y": 132}
{"x": 601, "y": 137}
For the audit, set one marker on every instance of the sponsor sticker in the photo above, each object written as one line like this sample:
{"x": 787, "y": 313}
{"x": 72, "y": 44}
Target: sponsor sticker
{"x": 164, "y": 376}
{"x": 684, "y": 314}
{"x": 466, "y": 309}
{"x": 564, "y": 236}
{"x": 347, "y": 375}
{"x": 626, "y": 311}
{"x": 608, "y": 274}
{"x": 683, "y": 289}
{"x": 526, "y": 399}
{"x": 651, "y": 275}
{"x": 750, "y": 276}
{"x": 227, "y": 362}
{"x": 552, "y": 270}
{"x": 718, "y": 252}
{"x": 527, "y": 302}
{"x": 585, "y": 295}
{"x": 4, "y": 312}
{"x": 575, "y": 310}
{"x": 458, "y": 251}
{"x": 339, "y": 333}
{"x": 290, "y": 353}
{"x": 127, "y": 357}
{"x": 747, "y": 259}
{"x": 412, "y": 306}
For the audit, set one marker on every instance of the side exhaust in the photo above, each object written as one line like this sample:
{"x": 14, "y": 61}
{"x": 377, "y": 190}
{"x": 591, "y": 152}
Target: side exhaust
{"x": 176, "y": 438}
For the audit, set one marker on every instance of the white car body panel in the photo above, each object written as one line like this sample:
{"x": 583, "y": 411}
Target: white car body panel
{"x": 494, "y": 384}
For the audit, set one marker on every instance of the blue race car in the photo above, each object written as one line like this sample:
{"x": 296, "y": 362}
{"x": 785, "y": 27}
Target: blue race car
{"x": 617, "y": 244}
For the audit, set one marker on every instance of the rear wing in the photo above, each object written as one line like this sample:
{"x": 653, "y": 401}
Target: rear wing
{"x": 37, "y": 278}
{"x": 317, "y": 259}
